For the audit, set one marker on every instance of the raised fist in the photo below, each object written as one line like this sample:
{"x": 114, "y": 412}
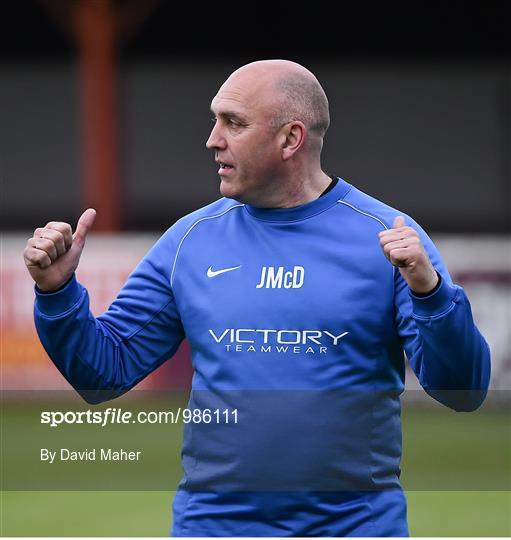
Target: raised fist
{"x": 53, "y": 253}
{"x": 403, "y": 248}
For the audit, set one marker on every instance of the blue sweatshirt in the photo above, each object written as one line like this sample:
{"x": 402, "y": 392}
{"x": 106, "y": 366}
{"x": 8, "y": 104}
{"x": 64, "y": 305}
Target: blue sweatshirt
{"x": 296, "y": 319}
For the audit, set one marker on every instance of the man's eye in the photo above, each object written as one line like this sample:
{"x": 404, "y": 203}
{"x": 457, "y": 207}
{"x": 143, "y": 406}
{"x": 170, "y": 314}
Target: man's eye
{"x": 213, "y": 119}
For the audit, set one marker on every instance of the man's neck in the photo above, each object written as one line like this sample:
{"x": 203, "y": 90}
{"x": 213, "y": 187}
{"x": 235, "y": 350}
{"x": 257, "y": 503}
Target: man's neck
{"x": 306, "y": 191}
{"x": 290, "y": 191}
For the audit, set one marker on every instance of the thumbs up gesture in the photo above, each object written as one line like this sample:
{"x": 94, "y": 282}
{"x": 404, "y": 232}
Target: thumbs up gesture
{"x": 53, "y": 253}
{"x": 403, "y": 248}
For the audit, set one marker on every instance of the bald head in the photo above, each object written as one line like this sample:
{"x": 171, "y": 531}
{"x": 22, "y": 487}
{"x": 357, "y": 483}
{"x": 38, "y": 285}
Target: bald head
{"x": 269, "y": 121}
{"x": 292, "y": 93}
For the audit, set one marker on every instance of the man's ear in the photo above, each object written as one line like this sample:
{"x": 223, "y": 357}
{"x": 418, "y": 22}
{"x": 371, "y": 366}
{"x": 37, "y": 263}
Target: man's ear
{"x": 293, "y": 138}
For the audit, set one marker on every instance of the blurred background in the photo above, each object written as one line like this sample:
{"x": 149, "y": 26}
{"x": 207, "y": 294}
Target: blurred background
{"x": 105, "y": 103}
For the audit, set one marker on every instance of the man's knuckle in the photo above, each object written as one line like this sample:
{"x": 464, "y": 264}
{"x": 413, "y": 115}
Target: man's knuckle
{"x": 33, "y": 251}
{"x": 64, "y": 228}
{"x": 58, "y": 225}
{"x": 37, "y": 256}
{"x": 55, "y": 236}
{"x": 45, "y": 245}
{"x": 47, "y": 234}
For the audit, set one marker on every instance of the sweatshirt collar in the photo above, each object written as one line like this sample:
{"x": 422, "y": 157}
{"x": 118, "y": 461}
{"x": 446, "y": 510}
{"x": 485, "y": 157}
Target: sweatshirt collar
{"x": 302, "y": 211}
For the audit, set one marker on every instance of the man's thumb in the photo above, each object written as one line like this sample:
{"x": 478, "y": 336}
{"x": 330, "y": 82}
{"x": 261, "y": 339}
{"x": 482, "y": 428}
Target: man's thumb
{"x": 399, "y": 221}
{"x": 84, "y": 226}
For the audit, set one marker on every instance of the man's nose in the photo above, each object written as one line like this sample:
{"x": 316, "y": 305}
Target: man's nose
{"x": 216, "y": 139}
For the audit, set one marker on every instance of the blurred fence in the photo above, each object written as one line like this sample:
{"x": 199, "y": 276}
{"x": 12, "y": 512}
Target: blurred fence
{"x": 482, "y": 265}
{"x": 105, "y": 265}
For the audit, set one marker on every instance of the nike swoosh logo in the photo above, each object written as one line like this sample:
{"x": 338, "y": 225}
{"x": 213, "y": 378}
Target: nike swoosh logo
{"x": 213, "y": 273}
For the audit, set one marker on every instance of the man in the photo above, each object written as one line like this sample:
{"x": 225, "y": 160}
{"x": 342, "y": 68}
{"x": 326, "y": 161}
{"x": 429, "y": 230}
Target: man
{"x": 294, "y": 315}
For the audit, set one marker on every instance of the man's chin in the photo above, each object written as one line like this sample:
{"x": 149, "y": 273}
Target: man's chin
{"x": 227, "y": 189}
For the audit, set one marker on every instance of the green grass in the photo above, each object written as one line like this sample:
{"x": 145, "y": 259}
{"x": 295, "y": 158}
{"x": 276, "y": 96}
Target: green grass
{"x": 86, "y": 513}
{"x": 459, "y": 513}
{"x": 148, "y": 513}
{"x": 445, "y": 450}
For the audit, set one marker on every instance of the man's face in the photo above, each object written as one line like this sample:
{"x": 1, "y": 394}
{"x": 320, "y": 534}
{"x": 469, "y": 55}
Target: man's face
{"x": 245, "y": 144}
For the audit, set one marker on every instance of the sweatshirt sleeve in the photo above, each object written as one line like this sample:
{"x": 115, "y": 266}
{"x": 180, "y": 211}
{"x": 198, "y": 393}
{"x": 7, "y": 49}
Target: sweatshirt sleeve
{"x": 442, "y": 343}
{"x": 104, "y": 357}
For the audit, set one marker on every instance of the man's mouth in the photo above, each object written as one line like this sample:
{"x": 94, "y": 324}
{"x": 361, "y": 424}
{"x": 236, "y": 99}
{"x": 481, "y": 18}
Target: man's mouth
{"x": 224, "y": 165}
